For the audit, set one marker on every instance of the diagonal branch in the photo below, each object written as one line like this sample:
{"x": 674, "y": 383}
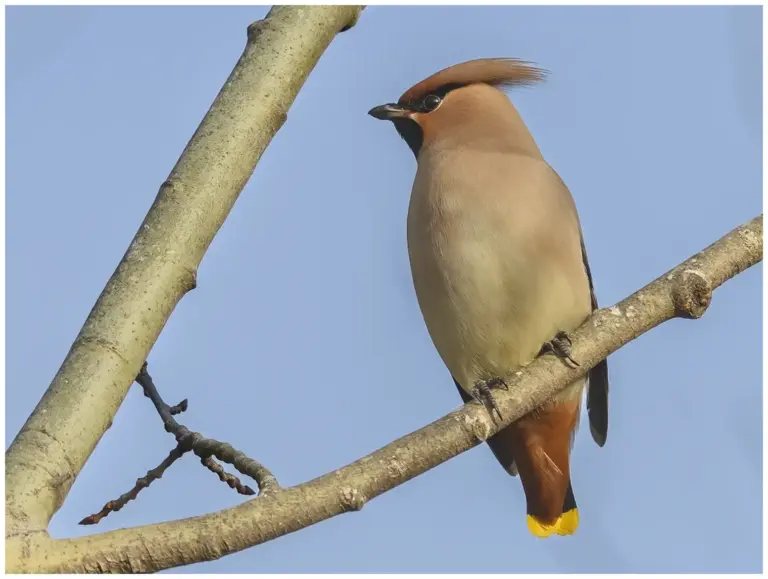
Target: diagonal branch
{"x": 684, "y": 291}
{"x": 160, "y": 265}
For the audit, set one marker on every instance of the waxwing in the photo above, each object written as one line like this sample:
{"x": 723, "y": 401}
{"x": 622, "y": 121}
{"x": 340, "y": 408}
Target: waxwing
{"x": 499, "y": 266}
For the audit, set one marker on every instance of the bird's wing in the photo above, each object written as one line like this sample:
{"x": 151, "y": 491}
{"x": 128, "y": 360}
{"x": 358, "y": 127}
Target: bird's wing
{"x": 597, "y": 378}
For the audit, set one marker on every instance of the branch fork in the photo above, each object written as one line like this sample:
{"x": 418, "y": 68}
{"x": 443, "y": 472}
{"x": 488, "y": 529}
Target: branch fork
{"x": 186, "y": 441}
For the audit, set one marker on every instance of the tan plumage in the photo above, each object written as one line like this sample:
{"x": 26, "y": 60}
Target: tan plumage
{"x": 498, "y": 263}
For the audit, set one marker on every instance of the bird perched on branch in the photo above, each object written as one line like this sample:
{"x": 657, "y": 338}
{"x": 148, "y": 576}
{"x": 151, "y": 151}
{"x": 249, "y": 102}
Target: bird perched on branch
{"x": 499, "y": 266}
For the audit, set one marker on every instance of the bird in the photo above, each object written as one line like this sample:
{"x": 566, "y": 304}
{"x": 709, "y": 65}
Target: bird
{"x": 499, "y": 266}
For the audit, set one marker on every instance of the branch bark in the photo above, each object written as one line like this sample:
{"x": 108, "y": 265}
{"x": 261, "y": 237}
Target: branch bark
{"x": 684, "y": 291}
{"x": 160, "y": 265}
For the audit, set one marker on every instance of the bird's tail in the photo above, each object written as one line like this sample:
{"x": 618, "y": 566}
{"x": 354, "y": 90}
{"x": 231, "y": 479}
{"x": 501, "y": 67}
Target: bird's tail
{"x": 542, "y": 457}
{"x": 565, "y": 524}
{"x": 537, "y": 447}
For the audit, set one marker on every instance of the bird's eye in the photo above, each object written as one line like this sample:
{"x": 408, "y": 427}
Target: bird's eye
{"x": 431, "y": 102}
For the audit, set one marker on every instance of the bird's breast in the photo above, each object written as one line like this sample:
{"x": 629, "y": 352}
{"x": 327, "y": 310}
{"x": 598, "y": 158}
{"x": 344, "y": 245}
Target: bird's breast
{"x": 483, "y": 288}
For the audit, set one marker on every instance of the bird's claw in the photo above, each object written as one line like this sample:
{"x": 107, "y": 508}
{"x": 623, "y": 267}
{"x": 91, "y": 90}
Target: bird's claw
{"x": 482, "y": 393}
{"x": 560, "y": 346}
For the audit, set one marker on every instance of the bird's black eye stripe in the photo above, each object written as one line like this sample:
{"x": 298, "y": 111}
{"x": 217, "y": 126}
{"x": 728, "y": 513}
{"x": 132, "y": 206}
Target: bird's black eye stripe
{"x": 431, "y": 102}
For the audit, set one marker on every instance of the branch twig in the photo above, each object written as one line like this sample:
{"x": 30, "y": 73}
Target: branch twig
{"x": 230, "y": 479}
{"x": 141, "y": 484}
{"x": 206, "y": 448}
{"x": 187, "y": 441}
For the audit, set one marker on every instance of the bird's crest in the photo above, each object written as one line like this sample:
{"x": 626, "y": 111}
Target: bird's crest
{"x": 497, "y": 72}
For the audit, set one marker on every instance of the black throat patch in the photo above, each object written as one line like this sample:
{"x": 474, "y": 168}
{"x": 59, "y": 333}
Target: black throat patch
{"x": 411, "y": 133}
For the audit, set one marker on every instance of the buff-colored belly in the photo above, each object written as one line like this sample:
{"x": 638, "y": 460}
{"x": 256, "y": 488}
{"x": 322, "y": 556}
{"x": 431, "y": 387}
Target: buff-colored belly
{"x": 489, "y": 298}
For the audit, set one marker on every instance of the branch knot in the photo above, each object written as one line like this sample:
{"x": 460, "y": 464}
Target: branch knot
{"x": 691, "y": 294}
{"x": 351, "y": 499}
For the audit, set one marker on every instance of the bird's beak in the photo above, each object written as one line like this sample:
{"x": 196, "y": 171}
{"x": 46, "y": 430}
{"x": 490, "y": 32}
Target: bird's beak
{"x": 389, "y": 112}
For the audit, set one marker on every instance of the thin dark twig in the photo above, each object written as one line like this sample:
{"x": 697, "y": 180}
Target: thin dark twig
{"x": 206, "y": 447}
{"x": 224, "y": 476}
{"x": 166, "y": 412}
{"x": 186, "y": 441}
{"x": 142, "y": 483}
{"x": 179, "y": 408}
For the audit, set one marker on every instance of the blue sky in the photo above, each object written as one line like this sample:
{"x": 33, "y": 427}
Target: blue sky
{"x": 303, "y": 344}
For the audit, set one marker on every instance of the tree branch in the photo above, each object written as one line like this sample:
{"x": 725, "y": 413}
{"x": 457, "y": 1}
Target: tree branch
{"x": 684, "y": 291}
{"x": 207, "y": 448}
{"x": 186, "y": 441}
{"x": 161, "y": 263}
{"x": 141, "y": 484}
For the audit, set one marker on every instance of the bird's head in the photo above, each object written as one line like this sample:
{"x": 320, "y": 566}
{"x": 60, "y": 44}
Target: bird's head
{"x": 464, "y": 103}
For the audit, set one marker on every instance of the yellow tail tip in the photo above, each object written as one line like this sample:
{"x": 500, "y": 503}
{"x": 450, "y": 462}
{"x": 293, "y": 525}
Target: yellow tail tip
{"x": 566, "y": 524}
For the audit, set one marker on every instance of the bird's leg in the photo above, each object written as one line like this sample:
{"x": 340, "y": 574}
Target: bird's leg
{"x": 560, "y": 346}
{"x": 482, "y": 393}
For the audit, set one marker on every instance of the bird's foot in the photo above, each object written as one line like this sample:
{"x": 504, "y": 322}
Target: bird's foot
{"x": 560, "y": 346}
{"x": 482, "y": 393}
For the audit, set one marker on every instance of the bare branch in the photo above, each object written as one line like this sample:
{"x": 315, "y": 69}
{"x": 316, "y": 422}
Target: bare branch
{"x": 165, "y": 412}
{"x": 206, "y": 448}
{"x": 230, "y": 479}
{"x": 186, "y": 441}
{"x": 684, "y": 291}
{"x": 161, "y": 263}
{"x": 141, "y": 484}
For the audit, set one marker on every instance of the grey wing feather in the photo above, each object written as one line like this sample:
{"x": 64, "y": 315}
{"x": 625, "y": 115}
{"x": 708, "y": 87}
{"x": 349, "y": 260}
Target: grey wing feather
{"x": 597, "y": 378}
